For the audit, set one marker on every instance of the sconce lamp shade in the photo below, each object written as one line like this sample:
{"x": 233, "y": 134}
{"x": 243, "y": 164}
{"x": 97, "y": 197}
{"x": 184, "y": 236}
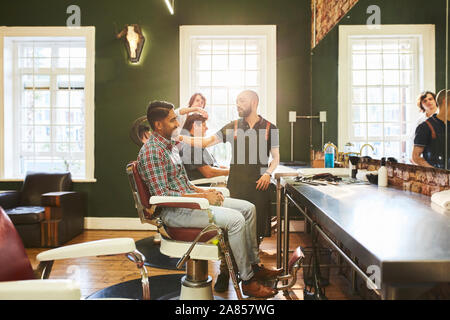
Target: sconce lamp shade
{"x": 134, "y": 41}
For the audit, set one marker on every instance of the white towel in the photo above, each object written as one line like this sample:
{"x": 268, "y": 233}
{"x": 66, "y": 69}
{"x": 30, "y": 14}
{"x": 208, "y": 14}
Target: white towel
{"x": 442, "y": 199}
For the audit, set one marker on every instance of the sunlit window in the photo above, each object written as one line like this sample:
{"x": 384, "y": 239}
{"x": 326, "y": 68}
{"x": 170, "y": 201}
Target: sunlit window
{"x": 48, "y": 107}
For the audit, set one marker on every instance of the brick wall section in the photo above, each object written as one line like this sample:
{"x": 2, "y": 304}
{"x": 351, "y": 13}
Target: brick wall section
{"x": 411, "y": 178}
{"x": 327, "y": 13}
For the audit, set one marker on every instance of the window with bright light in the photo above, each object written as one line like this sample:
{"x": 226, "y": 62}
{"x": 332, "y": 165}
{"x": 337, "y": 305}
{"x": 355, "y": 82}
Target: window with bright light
{"x": 222, "y": 61}
{"x": 382, "y": 71}
{"x": 48, "y": 105}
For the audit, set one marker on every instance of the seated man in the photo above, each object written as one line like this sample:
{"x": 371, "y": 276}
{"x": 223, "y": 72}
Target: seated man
{"x": 199, "y": 163}
{"x": 430, "y": 136}
{"x": 160, "y": 167}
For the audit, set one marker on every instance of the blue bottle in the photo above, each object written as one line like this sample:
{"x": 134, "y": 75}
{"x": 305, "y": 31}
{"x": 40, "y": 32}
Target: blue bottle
{"x": 329, "y": 157}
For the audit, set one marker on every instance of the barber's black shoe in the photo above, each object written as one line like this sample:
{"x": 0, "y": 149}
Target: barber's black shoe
{"x": 222, "y": 282}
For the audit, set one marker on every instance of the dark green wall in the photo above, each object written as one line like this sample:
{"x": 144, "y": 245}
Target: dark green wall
{"x": 122, "y": 91}
{"x": 325, "y": 54}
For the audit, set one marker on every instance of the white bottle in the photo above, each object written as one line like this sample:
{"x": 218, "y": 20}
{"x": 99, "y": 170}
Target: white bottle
{"x": 382, "y": 174}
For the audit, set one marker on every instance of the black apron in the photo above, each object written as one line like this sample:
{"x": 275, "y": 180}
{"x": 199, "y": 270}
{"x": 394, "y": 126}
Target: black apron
{"x": 242, "y": 182}
{"x": 435, "y": 151}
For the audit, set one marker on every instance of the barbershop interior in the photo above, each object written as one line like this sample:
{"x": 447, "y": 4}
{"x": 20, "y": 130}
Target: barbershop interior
{"x": 224, "y": 150}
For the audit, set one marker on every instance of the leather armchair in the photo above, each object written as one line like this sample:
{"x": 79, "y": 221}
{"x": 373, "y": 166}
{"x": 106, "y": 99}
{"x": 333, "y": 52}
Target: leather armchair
{"x": 45, "y": 211}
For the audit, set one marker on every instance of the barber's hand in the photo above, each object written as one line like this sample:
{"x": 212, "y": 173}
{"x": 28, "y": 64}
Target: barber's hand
{"x": 263, "y": 182}
{"x": 202, "y": 112}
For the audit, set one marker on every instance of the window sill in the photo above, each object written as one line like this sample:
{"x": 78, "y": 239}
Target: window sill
{"x": 73, "y": 180}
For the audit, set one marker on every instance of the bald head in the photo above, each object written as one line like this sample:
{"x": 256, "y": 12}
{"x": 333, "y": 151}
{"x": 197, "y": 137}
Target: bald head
{"x": 250, "y": 95}
{"x": 247, "y": 103}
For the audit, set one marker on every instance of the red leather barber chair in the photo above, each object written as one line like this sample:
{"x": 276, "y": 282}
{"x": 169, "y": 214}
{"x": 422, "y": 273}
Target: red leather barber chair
{"x": 18, "y": 281}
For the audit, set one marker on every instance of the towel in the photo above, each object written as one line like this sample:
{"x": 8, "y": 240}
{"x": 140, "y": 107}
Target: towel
{"x": 442, "y": 199}
{"x": 440, "y": 210}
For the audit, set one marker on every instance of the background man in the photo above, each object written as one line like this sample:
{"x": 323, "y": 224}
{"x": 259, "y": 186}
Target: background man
{"x": 429, "y": 140}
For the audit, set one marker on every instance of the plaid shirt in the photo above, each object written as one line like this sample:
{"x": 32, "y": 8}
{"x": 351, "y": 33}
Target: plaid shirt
{"x": 160, "y": 167}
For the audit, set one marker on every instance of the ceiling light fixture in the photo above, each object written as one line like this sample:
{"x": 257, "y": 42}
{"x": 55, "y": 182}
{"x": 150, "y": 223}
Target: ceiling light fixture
{"x": 170, "y": 5}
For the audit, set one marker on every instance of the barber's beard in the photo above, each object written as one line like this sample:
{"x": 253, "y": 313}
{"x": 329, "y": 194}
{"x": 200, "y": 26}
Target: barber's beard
{"x": 244, "y": 112}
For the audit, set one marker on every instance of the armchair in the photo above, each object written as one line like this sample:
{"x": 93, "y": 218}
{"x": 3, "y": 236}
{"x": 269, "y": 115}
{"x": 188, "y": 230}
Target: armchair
{"x": 45, "y": 212}
{"x": 19, "y": 281}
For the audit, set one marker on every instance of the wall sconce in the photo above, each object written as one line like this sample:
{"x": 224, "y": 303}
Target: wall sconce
{"x": 170, "y": 5}
{"x": 134, "y": 41}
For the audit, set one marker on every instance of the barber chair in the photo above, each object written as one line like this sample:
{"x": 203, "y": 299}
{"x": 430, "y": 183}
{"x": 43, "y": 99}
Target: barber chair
{"x": 46, "y": 212}
{"x": 195, "y": 246}
{"x": 18, "y": 281}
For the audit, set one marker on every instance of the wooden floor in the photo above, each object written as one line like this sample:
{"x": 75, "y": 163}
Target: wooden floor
{"x": 96, "y": 273}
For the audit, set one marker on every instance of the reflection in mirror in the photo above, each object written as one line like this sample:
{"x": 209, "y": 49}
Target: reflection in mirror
{"x": 430, "y": 142}
{"x": 389, "y": 77}
{"x": 140, "y": 131}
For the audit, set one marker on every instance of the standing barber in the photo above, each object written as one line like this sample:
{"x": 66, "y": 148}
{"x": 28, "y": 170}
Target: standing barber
{"x": 253, "y": 140}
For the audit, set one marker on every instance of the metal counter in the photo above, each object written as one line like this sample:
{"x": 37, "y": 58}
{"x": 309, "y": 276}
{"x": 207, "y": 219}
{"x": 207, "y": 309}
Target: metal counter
{"x": 397, "y": 231}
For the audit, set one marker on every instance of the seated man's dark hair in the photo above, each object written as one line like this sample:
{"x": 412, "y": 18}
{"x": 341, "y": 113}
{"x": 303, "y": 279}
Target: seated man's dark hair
{"x": 157, "y": 111}
{"x": 190, "y": 120}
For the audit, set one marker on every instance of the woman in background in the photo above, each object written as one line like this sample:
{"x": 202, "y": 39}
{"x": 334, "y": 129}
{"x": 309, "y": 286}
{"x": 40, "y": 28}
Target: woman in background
{"x": 196, "y": 104}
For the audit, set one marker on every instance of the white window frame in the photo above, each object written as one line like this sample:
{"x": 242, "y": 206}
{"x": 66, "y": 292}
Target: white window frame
{"x": 425, "y": 32}
{"x": 89, "y": 34}
{"x": 269, "y": 31}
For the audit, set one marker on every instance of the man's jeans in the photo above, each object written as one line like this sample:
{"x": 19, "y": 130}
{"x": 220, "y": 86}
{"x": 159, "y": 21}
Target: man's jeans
{"x": 236, "y": 216}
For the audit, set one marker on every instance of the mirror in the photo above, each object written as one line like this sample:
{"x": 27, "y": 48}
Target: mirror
{"x": 447, "y": 137}
{"x": 382, "y": 69}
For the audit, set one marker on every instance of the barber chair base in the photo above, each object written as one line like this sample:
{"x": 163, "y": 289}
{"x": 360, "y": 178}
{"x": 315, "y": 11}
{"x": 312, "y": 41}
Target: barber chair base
{"x": 149, "y": 247}
{"x": 196, "y": 291}
{"x": 162, "y": 287}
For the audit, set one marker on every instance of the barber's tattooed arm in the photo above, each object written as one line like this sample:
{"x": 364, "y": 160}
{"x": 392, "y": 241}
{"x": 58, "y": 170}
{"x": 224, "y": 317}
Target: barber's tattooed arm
{"x": 199, "y": 142}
